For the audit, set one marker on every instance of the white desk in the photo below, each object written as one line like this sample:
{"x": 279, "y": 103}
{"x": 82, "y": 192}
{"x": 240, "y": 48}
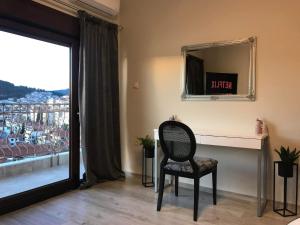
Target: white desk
{"x": 252, "y": 143}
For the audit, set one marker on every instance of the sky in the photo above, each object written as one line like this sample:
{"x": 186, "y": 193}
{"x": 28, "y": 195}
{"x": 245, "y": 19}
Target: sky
{"x": 33, "y": 63}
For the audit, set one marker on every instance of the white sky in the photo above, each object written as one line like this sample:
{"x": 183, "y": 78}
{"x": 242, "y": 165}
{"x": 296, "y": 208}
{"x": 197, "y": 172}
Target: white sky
{"x": 33, "y": 63}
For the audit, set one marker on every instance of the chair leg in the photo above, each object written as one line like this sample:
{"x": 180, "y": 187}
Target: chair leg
{"x": 196, "y": 198}
{"x": 214, "y": 181}
{"x": 161, "y": 189}
{"x": 176, "y": 185}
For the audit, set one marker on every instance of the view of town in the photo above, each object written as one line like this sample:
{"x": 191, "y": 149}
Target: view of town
{"x": 34, "y": 98}
{"x": 34, "y": 125}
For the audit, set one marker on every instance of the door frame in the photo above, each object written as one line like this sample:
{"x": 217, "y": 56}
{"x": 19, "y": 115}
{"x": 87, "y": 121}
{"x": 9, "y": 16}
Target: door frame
{"x": 21, "y": 22}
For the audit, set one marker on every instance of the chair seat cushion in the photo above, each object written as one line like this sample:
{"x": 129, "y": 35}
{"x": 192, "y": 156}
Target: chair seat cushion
{"x": 204, "y": 164}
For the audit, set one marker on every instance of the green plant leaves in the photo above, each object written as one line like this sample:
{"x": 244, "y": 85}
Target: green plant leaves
{"x": 287, "y": 156}
{"x": 147, "y": 142}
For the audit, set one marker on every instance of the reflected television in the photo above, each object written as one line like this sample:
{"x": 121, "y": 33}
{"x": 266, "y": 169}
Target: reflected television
{"x": 221, "y": 83}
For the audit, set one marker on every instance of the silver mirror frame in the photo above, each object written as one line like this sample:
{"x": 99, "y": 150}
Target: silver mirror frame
{"x": 252, "y": 72}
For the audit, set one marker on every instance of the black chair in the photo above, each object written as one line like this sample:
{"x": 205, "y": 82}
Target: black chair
{"x": 178, "y": 144}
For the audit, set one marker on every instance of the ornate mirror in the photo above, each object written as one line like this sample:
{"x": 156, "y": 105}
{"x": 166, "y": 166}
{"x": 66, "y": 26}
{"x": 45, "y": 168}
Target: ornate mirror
{"x": 219, "y": 70}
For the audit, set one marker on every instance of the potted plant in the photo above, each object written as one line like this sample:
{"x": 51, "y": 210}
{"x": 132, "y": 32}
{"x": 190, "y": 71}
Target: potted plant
{"x": 285, "y": 166}
{"x": 148, "y": 144}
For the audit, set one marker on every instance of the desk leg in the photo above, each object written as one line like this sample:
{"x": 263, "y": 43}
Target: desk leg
{"x": 155, "y": 166}
{"x": 265, "y": 155}
{"x": 261, "y": 179}
{"x": 259, "y": 183}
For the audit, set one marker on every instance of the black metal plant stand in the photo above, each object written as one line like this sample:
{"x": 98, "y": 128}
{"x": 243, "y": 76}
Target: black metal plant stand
{"x": 147, "y": 154}
{"x": 285, "y": 211}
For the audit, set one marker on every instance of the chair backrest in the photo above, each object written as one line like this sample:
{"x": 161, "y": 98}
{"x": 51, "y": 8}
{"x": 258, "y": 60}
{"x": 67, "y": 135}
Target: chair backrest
{"x": 177, "y": 141}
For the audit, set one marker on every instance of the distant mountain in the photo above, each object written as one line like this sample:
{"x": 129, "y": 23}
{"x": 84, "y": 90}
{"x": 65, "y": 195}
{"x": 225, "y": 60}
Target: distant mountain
{"x": 9, "y": 90}
{"x": 61, "y": 92}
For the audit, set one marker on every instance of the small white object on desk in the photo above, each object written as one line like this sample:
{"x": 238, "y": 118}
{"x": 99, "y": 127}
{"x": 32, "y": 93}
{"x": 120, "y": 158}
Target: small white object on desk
{"x": 258, "y": 127}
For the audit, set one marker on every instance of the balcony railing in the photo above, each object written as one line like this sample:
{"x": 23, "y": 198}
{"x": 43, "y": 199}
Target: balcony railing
{"x": 31, "y": 130}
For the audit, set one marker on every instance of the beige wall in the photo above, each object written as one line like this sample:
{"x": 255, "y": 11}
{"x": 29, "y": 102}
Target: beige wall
{"x": 150, "y": 47}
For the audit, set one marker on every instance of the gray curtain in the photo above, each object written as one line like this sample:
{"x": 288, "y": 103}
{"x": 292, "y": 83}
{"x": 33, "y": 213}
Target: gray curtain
{"x": 194, "y": 75}
{"x": 99, "y": 99}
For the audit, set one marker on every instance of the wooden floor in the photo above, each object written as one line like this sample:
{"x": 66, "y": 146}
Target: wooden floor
{"x": 128, "y": 202}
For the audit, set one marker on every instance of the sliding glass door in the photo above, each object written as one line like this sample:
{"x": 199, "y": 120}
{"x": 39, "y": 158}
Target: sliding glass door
{"x": 39, "y": 127}
{"x": 34, "y": 113}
